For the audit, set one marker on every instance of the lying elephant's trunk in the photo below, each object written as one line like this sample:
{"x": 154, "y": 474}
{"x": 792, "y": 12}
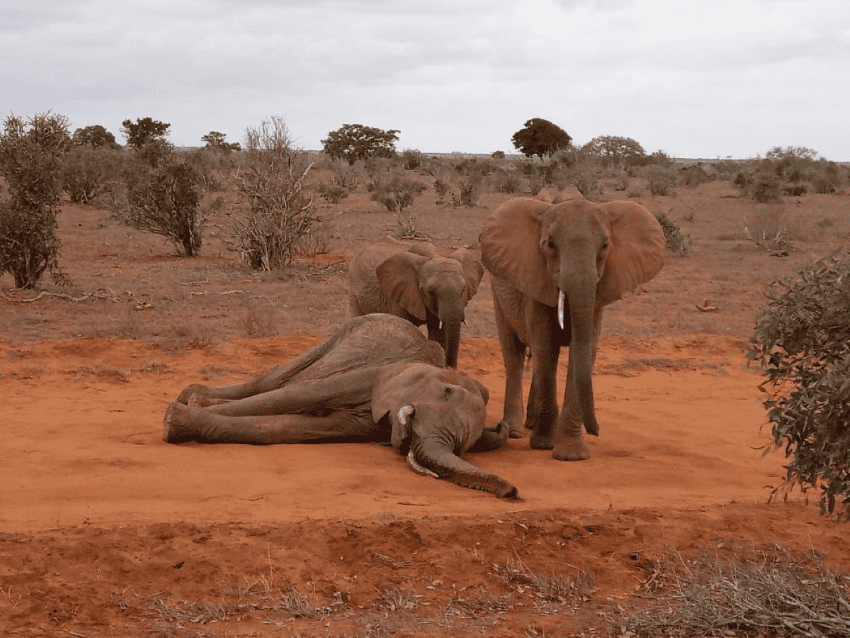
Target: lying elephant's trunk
{"x": 433, "y": 455}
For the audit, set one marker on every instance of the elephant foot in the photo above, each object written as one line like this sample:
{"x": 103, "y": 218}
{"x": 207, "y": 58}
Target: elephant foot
{"x": 540, "y": 442}
{"x": 571, "y": 450}
{"x": 196, "y": 391}
{"x": 175, "y": 425}
{"x": 514, "y": 431}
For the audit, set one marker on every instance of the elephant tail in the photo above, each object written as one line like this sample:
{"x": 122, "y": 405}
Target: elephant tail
{"x": 435, "y": 458}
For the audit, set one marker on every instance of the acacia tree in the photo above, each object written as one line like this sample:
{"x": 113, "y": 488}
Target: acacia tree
{"x": 612, "y": 150}
{"x": 143, "y": 131}
{"x": 354, "y": 142}
{"x": 540, "y": 137}
{"x": 30, "y": 161}
{"x": 94, "y": 136}
{"x": 216, "y": 141}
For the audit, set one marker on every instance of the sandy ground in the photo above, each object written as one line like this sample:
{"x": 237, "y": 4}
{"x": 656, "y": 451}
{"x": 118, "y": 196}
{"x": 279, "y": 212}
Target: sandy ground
{"x": 99, "y": 514}
{"x": 105, "y": 530}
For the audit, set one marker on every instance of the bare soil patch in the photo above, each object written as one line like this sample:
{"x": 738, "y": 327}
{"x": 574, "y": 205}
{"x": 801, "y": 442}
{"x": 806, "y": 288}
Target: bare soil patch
{"x": 106, "y": 530}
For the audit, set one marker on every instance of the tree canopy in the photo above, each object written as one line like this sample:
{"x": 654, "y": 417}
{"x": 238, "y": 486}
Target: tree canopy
{"x": 95, "y": 136}
{"x": 354, "y": 142}
{"x": 540, "y": 137}
{"x": 216, "y": 141}
{"x": 616, "y": 151}
{"x": 143, "y": 131}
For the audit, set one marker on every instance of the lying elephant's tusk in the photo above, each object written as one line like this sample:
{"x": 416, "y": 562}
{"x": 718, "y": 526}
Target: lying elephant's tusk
{"x": 561, "y": 298}
{"x": 411, "y": 461}
{"x": 405, "y": 413}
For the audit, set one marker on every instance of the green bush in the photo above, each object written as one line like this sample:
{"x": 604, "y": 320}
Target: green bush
{"x": 694, "y": 175}
{"x": 395, "y": 191}
{"x": 661, "y": 180}
{"x": 765, "y": 187}
{"x": 676, "y": 242}
{"x": 31, "y": 162}
{"x": 164, "y": 201}
{"x": 801, "y": 340}
{"x": 87, "y": 171}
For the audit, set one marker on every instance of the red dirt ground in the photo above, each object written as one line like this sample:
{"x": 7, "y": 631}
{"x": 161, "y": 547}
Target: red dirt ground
{"x": 105, "y": 530}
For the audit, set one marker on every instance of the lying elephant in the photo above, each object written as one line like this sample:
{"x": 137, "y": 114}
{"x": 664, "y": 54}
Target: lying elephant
{"x": 378, "y": 379}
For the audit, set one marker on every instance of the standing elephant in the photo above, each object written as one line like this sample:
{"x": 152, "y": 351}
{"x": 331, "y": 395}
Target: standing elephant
{"x": 554, "y": 267}
{"x": 378, "y": 379}
{"x": 415, "y": 283}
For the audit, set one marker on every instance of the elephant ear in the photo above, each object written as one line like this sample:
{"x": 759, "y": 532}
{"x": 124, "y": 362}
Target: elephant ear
{"x": 637, "y": 249}
{"x": 510, "y": 249}
{"x": 399, "y": 279}
{"x": 473, "y": 271}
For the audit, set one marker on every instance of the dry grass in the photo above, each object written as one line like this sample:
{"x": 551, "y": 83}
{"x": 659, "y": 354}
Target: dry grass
{"x": 764, "y": 591}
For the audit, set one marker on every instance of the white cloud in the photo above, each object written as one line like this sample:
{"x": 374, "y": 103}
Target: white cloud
{"x": 699, "y": 78}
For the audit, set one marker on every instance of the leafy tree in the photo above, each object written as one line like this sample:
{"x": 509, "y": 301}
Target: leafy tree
{"x": 801, "y": 339}
{"x": 354, "y": 142}
{"x": 30, "y": 161}
{"x": 216, "y": 141}
{"x": 540, "y": 137}
{"x": 611, "y": 150}
{"x": 94, "y": 136}
{"x": 144, "y": 131}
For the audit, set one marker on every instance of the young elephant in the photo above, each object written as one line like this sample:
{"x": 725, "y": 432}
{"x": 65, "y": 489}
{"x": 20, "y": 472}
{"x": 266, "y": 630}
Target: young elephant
{"x": 378, "y": 379}
{"x": 415, "y": 283}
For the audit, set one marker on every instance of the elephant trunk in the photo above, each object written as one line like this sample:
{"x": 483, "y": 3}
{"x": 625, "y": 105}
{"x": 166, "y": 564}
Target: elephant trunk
{"x": 581, "y": 297}
{"x": 451, "y": 317}
{"x": 435, "y": 456}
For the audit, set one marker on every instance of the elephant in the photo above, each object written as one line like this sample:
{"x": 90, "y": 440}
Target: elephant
{"x": 554, "y": 267}
{"x": 377, "y": 379}
{"x": 416, "y": 283}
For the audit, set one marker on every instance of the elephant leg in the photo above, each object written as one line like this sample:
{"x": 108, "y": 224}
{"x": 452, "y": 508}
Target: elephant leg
{"x": 542, "y": 413}
{"x": 275, "y": 378}
{"x": 513, "y": 353}
{"x": 340, "y": 391}
{"x": 491, "y": 439}
{"x": 569, "y": 444}
{"x": 187, "y": 423}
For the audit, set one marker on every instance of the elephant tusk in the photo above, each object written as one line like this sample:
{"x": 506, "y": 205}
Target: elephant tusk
{"x": 411, "y": 461}
{"x": 561, "y": 297}
{"x": 405, "y": 413}
{"x": 440, "y": 326}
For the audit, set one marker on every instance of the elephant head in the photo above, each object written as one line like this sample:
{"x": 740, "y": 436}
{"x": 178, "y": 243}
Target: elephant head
{"x": 426, "y": 288}
{"x": 436, "y": 414}
{"x": 574, "y": 255}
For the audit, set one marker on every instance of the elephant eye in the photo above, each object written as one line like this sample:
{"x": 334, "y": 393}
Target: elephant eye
{"x": 447, "y": 392}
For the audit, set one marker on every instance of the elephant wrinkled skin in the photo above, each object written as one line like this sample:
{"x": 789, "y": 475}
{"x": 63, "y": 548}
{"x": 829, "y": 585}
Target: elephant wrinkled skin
{"x": 569, "y": 258}
{"x": 417, "y": 284}
{"x": 378, "y": 379}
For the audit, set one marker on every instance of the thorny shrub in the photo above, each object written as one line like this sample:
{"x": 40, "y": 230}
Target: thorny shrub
{"x": 278, "y": 215}
{"x": 802, "y": 340}
{"x": 396, "y": 191}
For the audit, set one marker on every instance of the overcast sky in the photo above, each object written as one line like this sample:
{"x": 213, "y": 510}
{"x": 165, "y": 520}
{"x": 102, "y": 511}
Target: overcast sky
{"x": 693, "y": 78}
